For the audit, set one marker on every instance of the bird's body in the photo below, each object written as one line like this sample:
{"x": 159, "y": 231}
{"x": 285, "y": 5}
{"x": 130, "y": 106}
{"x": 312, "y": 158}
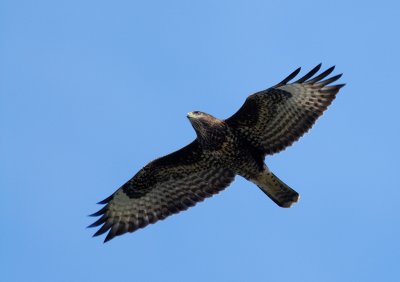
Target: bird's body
{"x": 224, "y": 146}
{"x": 267, "y": 123}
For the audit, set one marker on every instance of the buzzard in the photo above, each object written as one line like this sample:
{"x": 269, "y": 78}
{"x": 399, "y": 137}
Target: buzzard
{"x": 267, "y": 123}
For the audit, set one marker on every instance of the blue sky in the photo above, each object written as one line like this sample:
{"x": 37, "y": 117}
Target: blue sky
{"x": 90, "y": 91}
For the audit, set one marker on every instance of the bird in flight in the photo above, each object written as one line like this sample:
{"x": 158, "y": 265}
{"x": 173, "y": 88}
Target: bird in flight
{"x": 267, "y": 123}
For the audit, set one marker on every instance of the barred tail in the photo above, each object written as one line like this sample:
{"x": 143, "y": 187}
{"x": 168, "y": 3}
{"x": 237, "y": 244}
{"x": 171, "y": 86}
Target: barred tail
{"x": 279, "y": 192}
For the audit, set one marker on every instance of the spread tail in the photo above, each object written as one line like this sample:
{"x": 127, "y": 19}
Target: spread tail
{"x": 279, "y": 192}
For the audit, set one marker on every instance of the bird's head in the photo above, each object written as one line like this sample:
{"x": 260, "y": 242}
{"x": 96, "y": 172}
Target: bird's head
{"x": 207, "y": 127}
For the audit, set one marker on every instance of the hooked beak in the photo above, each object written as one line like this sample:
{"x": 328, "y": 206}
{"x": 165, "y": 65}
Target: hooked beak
{"x": 190, "y": 115}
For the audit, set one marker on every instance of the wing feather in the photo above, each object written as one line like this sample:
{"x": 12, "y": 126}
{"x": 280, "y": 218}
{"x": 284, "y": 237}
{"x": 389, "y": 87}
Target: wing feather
{"x": 309, "y": 74}
{"x": 164, "y": 187}
{"x": 275, "y": 118}
{"x": 288, "y": 78}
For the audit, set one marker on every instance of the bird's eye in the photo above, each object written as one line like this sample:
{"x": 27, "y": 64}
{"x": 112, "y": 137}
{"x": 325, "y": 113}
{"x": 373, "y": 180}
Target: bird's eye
{"x": 196, "y": 112}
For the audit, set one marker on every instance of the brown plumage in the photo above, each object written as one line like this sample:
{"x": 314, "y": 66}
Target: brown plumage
{"x": 267, "y": 123}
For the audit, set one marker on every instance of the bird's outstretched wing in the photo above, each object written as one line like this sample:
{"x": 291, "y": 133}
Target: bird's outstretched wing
{"x": 165, "y": 186}
{"x": 273, "y": 119}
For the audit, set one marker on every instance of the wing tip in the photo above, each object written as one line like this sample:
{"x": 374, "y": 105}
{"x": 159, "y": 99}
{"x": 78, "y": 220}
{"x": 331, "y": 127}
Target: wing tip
{"x": 321, "y": 75}
{"x": 309, "y": 74}
{"x": 332, "y": 89}
{"x": 103, "y": 229}
{"x": 100, "y": 212}
{"x": 106, "y": 200}
{"x": 289, "y": 77}
{"x": 108, "y": 237}
{"x": 309, "y": 79}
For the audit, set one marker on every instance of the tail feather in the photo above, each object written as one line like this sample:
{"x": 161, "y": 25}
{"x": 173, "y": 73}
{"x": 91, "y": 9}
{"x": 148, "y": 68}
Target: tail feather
{"x": 277, "y": 190}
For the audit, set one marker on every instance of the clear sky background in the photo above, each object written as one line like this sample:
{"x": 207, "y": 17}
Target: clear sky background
{"x": 90, "y": 91}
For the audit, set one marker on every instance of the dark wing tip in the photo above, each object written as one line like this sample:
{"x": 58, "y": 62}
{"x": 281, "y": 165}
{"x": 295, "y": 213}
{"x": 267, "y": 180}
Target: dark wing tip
{"x": 332, "y": 90}
{"x": 309, "y": 74}
{"x": 104, "y": 219}
{"x": 106, "y": 200}
{"x": 101, "y": 220}
{"x": 103, "y": 229}
{"x": 109, "y": 237}
{"x": 328, "y": 81}
{"x": 309, "y": 79}
{"x": 321, "y": 76}
{"x": 100, "y": 212}
{"x": 118, "y": 229}
{"x": 289, "y": 77}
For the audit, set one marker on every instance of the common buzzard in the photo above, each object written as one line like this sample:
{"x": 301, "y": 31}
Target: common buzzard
{"x": 267, "y": 123}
